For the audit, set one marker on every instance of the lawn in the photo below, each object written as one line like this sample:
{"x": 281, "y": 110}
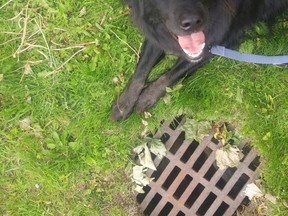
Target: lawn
{"x": 63, "y": 63}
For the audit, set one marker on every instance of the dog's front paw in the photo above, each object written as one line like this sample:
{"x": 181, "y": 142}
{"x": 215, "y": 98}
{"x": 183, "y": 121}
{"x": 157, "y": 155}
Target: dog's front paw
{"x": 144, "y": 104}
{"x": 120, "y": 111}
{"x": 148, "y": 98}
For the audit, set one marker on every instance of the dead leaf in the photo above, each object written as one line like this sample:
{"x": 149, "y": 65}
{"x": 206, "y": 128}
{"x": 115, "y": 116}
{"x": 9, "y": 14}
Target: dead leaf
{"x": 27, "y": 69}
{"x": 25, "y": 124}
{"x": 271, "y": 198}
{"x": 252, "y": 190}
{"x": 82, "y": 12}
{"x": 145, "y": 156}
{"x": 140, "y": 178}
{"x": 139, "y": 189}
{"x": 228, "y": 156}
{"x": 196, "y": 130}
{"x": 145, "y": 123}
{"x": 158, "y": 148}
{"x": 147, "y": 115}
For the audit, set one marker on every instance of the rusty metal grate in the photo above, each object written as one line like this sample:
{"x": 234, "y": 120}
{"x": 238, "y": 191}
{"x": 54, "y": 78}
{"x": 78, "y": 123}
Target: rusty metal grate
{"x": 188, "y": 182}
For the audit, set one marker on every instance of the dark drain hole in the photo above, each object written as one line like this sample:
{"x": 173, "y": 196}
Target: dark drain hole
{"x": 140, "y": 197}
{"x": 254, "y": 164}
{"x": 189, "y": 151}
{"x": 245, "y": 202}
{"x": 161, "y": 167}
{"x": 206, "y": 204}
{"x": 178, "y": 142}
{"x": 166, "y": 210}
{"x": 245, "y": 150}
{"x": 225, "y": 177}
{"x": 164, "y": 138}
{"x": 180, "y": 214}
{"x": 211, "y": 171}
{"x": 154, "y": 202}
{"x": 238, "y": 186}
{"x": 214, "y": 140}
{"x": 174, "y": 124}
{"x": 182, "y": 187}
{"x": 221, "y": 209}
{"x": 170, "y": 179}
{"x": 201, "y": 159}
{"x": 194, "y": 195}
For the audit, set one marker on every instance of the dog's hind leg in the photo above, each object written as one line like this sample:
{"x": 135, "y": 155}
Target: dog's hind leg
{"x": 123, "y": 106}
{"x": 153, "y": 92}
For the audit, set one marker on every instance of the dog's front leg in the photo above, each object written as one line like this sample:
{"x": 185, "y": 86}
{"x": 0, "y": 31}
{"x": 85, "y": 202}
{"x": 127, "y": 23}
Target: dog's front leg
{"x": 123, "y": 106}
{"x": 153, "y": 92}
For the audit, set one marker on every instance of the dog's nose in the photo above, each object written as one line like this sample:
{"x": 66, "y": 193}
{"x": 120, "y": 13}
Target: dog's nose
{"x": 192, "y": 22}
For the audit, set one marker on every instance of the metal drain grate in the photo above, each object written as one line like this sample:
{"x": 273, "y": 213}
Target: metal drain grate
{"x": 188, "y": 182}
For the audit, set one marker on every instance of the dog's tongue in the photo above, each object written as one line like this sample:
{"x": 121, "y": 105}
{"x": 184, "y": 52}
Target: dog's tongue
{"x": 193, "y": 43}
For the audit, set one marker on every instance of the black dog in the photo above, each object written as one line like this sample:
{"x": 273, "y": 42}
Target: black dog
{"x": 186, "y": 28}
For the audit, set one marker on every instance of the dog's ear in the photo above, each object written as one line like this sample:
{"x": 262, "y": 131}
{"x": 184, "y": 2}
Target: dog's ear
{"x": 230, "y": 7}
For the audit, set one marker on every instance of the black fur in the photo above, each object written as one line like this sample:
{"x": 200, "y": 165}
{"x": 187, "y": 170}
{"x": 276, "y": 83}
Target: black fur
{"x": 163, "y": 22}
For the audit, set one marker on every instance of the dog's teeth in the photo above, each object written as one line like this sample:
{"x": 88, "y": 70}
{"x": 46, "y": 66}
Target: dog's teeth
{"x": 193, "y": 55}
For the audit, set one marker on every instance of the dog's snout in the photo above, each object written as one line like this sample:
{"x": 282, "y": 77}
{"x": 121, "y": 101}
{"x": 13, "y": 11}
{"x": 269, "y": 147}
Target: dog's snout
{"x": 191, "y": 22}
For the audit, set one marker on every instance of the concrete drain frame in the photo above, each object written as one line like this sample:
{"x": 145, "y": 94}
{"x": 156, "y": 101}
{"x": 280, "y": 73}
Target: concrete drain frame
{"x": 188, "y": 182}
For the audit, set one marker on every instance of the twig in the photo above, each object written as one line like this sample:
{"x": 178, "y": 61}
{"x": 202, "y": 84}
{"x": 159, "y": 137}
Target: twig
{"x": 23, "y": 34}
{"x": 46, "y": 43}
{"x": 36, "y": 46}
{"x": 64, "y": 63}
{"x": 8, "y": 41}
{"x": 5, "y": 4}
{"x": 43, "y": 54}
{"x": 82, "y": 45}
{"x": 125, "y": 43}
{"x": 15, "y": 33}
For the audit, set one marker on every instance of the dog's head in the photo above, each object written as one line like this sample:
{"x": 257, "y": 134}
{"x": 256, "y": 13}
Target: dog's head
{"x": 184, "y": 27}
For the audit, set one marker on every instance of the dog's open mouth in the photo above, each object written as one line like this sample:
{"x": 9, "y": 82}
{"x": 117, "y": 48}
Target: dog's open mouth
{"x": 192, "y": 44}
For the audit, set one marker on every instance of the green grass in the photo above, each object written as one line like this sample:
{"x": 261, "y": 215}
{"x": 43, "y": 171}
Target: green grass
{"x": 71, "y": 159}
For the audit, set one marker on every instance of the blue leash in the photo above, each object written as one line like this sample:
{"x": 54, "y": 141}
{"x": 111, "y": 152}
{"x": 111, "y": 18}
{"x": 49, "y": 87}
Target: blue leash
{"x": 244, "y": 57}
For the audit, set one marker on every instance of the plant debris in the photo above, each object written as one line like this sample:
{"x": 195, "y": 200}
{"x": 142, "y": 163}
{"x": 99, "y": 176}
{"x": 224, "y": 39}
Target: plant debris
{"x": 196, "y": 130}
{"x": 143, "y": 152}
{"x": 252, "y": 190}
{"x": 228, "y": 156}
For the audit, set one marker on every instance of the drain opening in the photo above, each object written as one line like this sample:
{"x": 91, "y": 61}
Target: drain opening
{"x": 172, "y": 176}
{"x": 182, "y": 187}
{"x": 165, "y": 137}
{"x": 180, "y": 213}
{"x": 210, "y": 173}
{"x": 238, "y": 186}
{"x": 206, "y": 204}
{"x": 222, "y": 209}
{"x": 225, "y": 177}
{"x": 160, "y": 168}
{"x": 201, "y": 159}
{"x": 154, "y": 202}
{"x": 194, "y": 195}
{"x": 189, "y": 151}
{"x": 178, "y": 142}
{"x": 254, "y": 164}
{"x": 176, "y": 122}
{"x": 140, "y": 197}
{"x": 167, "y": 209}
